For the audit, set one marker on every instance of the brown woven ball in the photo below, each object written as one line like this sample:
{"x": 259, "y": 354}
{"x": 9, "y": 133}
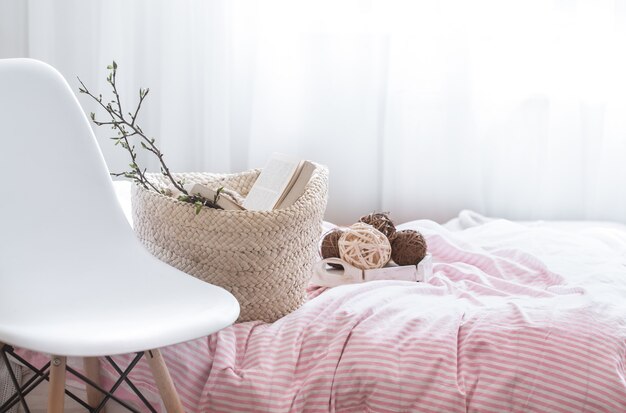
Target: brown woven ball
{"x": 382, "y": 222}
{"x": 330, "y": 243}
{"x": 408, "y": 247}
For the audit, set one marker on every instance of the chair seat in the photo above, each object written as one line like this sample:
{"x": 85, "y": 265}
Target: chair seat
{"x": 124, "y": 306}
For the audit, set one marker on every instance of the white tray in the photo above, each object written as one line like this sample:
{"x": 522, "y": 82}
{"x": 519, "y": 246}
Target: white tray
{"x": 326, "y": 276}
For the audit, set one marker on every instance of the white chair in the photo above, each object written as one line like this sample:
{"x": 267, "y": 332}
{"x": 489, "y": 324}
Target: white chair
{"x": 74, "y": 280}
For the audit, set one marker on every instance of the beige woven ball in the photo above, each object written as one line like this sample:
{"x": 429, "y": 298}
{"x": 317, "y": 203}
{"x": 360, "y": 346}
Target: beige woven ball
{"x": 364, "y": 247}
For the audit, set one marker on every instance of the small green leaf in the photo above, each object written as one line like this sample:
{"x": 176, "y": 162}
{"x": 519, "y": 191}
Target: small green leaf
{"x": 218, "y": 193}
{"x": 114, "y": 65}
{"x": 198, "y": 205}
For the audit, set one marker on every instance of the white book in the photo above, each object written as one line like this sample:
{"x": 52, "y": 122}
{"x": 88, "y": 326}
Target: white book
{"x": 304, "y": 174}
{"x": 273, "y": 183}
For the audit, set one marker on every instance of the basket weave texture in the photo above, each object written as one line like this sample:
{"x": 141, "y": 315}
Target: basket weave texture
{"x": 264, "y": 258}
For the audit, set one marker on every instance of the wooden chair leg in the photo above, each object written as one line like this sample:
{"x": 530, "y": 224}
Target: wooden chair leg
{"x": 56, "y": 391}
{"x": 92, "y": 371}
{"x": 164, "y": 382}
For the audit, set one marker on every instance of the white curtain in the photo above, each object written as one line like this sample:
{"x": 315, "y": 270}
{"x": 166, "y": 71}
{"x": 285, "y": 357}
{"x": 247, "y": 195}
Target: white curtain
{"x": 422, "y": 108}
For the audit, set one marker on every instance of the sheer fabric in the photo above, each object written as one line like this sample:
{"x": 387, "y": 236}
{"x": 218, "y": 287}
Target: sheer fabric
{"x": 511, "y": 108}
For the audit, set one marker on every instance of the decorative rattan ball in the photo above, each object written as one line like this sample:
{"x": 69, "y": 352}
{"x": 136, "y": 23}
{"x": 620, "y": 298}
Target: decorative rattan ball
{"x": 364, "y": 247}
{"x": 408, "y": 247}
{"x": 330, "y": 244}
{"x": 382, "y": 222}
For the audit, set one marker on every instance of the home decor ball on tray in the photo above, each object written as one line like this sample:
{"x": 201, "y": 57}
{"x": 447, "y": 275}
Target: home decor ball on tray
{"x": 330, "y": 244}
{"x": 380, "y": 221}
{"x": 408, "y": 247}
{"x": 364, "y": 247}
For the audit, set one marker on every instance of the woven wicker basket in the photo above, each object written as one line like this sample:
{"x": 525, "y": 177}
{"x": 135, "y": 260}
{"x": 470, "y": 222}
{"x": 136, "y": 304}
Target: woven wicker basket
{"x": 263, "y": 258}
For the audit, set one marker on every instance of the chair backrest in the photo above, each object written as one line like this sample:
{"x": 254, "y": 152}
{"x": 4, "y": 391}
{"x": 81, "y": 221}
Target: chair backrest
{"x": 58, "y": 208}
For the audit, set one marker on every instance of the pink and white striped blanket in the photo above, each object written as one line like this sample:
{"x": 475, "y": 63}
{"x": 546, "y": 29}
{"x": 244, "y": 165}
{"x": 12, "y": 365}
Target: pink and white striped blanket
{"x": 514, "y": 319}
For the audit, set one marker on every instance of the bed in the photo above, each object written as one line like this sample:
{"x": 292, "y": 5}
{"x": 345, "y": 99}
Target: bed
{"x": 517, "y": 316}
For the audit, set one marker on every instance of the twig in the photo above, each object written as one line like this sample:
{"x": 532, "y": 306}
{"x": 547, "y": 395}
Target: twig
{"x": 119, "y": 122}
